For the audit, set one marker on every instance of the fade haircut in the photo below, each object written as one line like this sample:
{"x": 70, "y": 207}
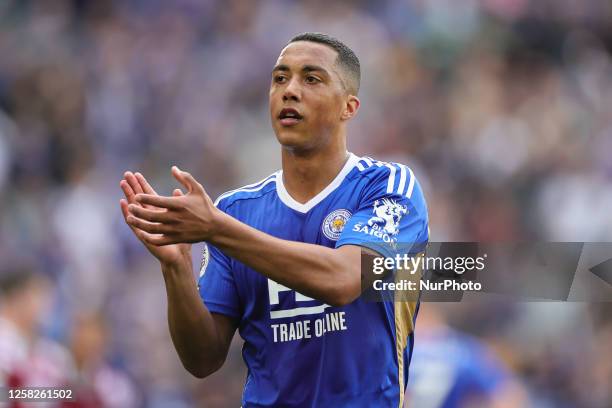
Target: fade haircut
{"x": 347, "y": 59}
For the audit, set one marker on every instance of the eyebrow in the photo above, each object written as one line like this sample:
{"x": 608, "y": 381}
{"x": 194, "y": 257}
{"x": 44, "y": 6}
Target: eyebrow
{"x": 306, "y": 68}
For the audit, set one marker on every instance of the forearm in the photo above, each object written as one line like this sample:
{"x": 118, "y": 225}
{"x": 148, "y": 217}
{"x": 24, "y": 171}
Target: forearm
{"x": 330, "y": 275}
{"x": 201, "y": 339}
{"x": 319, "y": 272}
{"x": 192, "y": 327}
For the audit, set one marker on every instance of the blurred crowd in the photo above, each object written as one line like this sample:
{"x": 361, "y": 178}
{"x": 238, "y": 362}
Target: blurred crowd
{"x": 503, "y": 109}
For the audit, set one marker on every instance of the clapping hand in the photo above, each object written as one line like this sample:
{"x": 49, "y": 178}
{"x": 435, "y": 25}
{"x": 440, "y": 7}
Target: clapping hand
{"x": 183, "y": 218}
{"x": 133, "y": 185}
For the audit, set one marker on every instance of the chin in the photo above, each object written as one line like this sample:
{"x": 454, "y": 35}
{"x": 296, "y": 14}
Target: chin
{"x": 291, "y": 138}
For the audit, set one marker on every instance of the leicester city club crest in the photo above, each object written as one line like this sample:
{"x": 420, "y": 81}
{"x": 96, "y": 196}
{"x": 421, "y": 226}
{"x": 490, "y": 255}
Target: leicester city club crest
{"x": 334, "y": 223}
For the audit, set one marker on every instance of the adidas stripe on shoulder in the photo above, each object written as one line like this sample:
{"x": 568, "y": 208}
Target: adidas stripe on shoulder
{"x": 402, "y": 184}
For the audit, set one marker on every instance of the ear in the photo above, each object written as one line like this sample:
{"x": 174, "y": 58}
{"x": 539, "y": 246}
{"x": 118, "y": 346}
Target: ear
{"x": 351, "y": 107}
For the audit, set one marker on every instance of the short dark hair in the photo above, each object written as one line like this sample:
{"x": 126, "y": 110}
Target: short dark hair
{"x": 347, "y": 59}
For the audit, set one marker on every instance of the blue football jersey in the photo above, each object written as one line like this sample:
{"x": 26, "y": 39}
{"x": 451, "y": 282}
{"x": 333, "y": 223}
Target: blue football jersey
{"x": 451, "y": 370}
{"x": 299, "y": 351}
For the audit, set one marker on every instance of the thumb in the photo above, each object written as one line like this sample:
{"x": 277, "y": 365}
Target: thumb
{"x": 181, "y": 177}
{"x": 187, "y": 180}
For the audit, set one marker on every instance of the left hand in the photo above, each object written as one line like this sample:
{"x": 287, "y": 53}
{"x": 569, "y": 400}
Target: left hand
{"x": 186, "y": 219}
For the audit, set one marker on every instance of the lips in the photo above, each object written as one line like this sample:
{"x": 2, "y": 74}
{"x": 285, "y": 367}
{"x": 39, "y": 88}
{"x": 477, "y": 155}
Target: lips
{"x": 289, "y": 117}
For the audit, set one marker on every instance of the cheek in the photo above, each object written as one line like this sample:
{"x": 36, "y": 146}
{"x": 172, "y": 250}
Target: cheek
{"x": 272, "y": 105}
{"x": 327, "y": 109}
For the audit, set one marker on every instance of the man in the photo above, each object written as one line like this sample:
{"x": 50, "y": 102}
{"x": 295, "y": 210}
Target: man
{"x": 452, "y": 369}
{"x": 283, "y": 261}
{"x": 96, "y": 382}
{"x": 28, "y": 359}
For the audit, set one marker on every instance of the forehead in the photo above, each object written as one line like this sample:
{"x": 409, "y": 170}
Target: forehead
{"x": 307, "y": 53}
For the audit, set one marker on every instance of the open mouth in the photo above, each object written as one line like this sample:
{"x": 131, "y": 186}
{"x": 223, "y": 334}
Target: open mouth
{"x": 289, "y": 117}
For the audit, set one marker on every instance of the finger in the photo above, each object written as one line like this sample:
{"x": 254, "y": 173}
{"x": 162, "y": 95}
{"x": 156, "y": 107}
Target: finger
{"x": 151, "y": 215}
{"x": 187, "y": 180}
{"x": 169, "y": 203}
{"x": 177, "y": 192}
{"x": 181, "y": 179}
{"x": 124, "y": 208}
{"x": 155, "y": 239}
{"x": 146, "y": 238}
{"x": 131, "y": 179}
{"x": 147, "y": 226}
{"x": 127, "y": 190}
{"x": 134, "y": 186}
{"x": 146, "y": 187}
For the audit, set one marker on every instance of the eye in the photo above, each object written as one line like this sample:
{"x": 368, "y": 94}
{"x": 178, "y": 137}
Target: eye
{"x": 279, "y": 79}
{"x": 312, "y": 79}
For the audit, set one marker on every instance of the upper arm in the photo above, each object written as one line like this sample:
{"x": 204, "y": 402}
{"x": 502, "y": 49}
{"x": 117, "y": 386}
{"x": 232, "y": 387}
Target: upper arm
{"x": 390, "y": 219}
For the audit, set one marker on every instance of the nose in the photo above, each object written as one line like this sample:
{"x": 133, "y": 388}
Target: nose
{"x": 292, "y": 91}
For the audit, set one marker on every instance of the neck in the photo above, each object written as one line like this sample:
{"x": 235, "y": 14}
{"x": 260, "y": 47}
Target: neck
{"x": 305, "y": 174}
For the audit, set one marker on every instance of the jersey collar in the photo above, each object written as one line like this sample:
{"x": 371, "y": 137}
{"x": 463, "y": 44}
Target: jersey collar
{"x": 284, "y": 196}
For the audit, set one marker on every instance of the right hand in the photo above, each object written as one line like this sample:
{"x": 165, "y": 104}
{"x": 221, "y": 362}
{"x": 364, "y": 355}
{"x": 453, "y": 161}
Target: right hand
{"x": 133, "y": 184}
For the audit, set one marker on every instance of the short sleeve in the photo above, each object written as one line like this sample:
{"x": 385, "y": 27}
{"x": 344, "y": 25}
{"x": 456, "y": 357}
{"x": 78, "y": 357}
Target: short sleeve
{"x": 391, "y": 218}
{"x": 216, "y": 283}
